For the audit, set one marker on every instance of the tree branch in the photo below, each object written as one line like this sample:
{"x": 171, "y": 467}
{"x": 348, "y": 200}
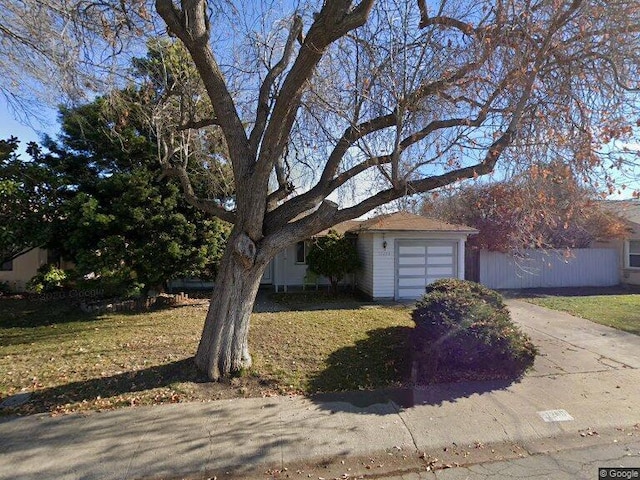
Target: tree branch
{"x": 197, "y": 124}
{"x": 265, "y": 89}
{"x": 206, "y": 205}
{"x": 281, "y": 193}
{"x": 335, "y": 19}
{"x": 191, "y": 26}
{"x": 444, "y": 21}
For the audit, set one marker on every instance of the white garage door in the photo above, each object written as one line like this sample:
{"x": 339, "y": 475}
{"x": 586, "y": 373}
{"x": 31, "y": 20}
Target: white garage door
{"x": 421, "y": 262}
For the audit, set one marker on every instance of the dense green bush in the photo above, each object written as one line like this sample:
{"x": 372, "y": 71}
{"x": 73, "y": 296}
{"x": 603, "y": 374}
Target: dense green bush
{"x": 48, "y": 279}
{"x": 333, "y": 256}
{"x": 5, "y": 288}
{"x": 464, "y": 331}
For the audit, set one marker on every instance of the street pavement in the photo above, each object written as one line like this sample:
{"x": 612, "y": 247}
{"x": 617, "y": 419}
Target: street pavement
{"x": 579, "y": 406}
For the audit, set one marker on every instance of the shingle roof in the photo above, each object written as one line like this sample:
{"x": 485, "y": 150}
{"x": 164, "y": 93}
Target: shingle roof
{"x": 627, "y": 209}
{"x": 400, "y": 222}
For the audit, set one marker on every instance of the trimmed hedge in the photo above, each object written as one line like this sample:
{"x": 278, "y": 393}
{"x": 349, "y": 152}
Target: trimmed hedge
{"x": 464, "y": 332}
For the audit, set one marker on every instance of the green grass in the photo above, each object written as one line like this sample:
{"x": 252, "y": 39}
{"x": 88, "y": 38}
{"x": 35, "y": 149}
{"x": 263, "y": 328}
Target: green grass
{"x": 617, "y": 311}
{"x": 74, "y": 361}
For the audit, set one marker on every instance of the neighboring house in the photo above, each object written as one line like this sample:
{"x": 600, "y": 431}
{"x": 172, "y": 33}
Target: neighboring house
{"x": 20, "y": 270}
{"x": 629, "y": 247}
{"x": 401, "y": 253}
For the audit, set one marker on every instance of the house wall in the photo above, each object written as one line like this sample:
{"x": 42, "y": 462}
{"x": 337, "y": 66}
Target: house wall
{"x": 364, "y": 276}
{"x": 24, "y": 268}
{"x": 384, "y": 258}
{"x": 540, "y": 269}
{"x": 288, "y": 273}
{"x": 627, "y": 275}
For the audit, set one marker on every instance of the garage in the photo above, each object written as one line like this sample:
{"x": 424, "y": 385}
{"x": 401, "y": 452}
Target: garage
{"x": 421, "y": 262}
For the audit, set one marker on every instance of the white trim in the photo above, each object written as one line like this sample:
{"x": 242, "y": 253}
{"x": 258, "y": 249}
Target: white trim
{"x": 627, "y": 254}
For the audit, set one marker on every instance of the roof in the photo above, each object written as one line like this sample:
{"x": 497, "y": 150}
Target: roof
{"x": 399, "y": 222}
{"x": 628, "y": 210}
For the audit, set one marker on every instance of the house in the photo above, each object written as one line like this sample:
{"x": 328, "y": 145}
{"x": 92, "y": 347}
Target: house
{"x": 17, "y": 272}
{"x": 628, "y": 248}
{"x": 401, "y": 253}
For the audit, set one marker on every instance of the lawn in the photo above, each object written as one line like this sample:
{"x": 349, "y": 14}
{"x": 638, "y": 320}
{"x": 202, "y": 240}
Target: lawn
{"x": 74, "y": 361}
{"x": 617, "y": 311}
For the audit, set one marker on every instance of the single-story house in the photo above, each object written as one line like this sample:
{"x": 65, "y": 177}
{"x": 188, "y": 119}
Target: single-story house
{"x": 629, "y": 247}
{"x": 401, "y": 253}
{"x": 17, "y": 272}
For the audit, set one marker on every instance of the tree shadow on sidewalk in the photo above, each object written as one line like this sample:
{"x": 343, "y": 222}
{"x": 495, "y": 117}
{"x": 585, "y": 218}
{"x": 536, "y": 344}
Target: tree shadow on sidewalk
{"x": 108, "y": 388}
{"x": 377, "y": 371}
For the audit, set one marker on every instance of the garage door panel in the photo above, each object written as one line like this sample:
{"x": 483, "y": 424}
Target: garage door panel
{"x": 410, "y": 292}
{"x": 411, "y": 282}
{"x": 411, "y": 271}
{"x": 440, "y": 250}
{"x": 448, "y": 260}
{"x": 409, "y": 260}
{"x": 444, "y": 271}
{"x": 421, "y": 262}
{"x": 412, "y": 250}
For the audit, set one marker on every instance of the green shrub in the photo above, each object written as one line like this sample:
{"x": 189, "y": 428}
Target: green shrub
{"x": 464, "y": 331}
{"x": 5, "y": 288}
{"x": 48, "y": 279}
{"x": 333, "y": 256}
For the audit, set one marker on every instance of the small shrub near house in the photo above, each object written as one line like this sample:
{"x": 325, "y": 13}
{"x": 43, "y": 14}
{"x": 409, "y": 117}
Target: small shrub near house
{"x": 48, "y": 279}
{"x": 463, "y": 332}
{"x": 333, "y": 256}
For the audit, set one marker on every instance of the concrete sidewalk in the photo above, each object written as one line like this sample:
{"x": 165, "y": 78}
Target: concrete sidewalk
{"x": 590, "y": 371}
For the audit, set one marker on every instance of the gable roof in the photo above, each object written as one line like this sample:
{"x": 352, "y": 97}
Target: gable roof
{"x": 399, "y": 222}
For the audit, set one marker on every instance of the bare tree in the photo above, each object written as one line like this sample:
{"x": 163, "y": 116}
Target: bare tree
{"x": 408, "y": 95}
{"x": 422, "y": 94}
{"x": 55, "y": 51}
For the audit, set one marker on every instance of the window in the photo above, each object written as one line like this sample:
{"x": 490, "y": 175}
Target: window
{"x": 634, "y": 253}
{"x": 6, "y": 266}
{"x": 301, "y": 253}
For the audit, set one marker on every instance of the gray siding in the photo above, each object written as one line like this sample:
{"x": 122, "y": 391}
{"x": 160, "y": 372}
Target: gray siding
{"x": 597, "y": 267}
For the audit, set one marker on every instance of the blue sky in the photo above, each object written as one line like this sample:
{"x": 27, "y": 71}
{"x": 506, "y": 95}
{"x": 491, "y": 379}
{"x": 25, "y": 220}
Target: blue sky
{"x": 9, "y": 125}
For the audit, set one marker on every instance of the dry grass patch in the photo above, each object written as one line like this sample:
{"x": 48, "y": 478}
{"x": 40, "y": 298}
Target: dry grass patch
{"x": 72, "y": 361}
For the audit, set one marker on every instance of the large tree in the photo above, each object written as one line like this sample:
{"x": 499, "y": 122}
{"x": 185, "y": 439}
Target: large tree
{"x": 120, "y": 220}
{"x": 29, "y": 199}
{"x": 405, "y": 96}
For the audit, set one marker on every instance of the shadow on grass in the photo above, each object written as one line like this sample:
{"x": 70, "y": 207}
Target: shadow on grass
{"x": 311, "y": 300}
{"x": 32, "y": 313}
{"x": 50, "y": 399}
{"x": 376, "y": 371}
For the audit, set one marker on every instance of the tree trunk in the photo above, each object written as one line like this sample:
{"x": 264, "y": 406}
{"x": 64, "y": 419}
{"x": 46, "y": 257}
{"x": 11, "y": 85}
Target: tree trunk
{"x": 334, "y": 286}
{"x": 223, "y": 347}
